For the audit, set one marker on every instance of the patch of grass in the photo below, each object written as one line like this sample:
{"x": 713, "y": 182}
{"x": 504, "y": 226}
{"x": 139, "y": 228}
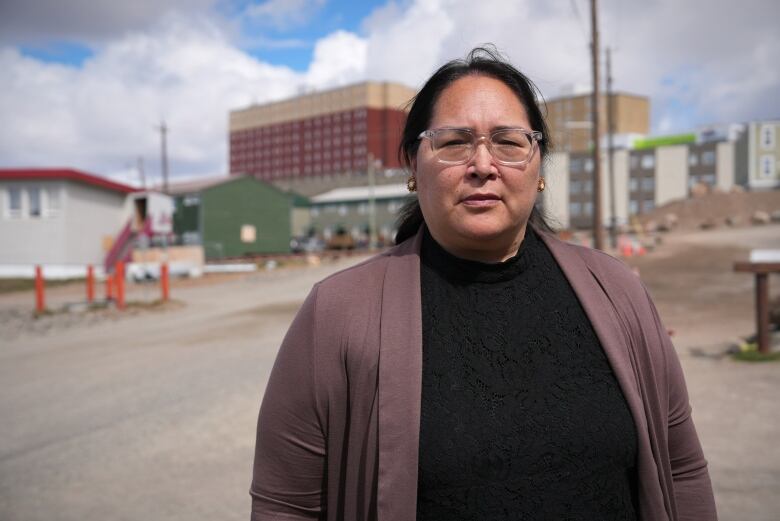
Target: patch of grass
{"x": 748, "y": 352}
{"x": 12, "y": 285}
{"x": 47, "y": 312}
{"x": 755, "y": 356}
{"x": 152, "y": 304}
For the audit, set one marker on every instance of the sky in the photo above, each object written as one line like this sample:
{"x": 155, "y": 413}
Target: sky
{"x": 86, "y": 83}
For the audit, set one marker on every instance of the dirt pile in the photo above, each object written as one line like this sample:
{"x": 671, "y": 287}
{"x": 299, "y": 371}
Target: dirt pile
{"x": 716, "y": 209}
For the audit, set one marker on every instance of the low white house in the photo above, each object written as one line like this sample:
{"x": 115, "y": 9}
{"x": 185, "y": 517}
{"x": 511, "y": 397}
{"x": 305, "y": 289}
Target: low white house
{"x": 60, "y": 218}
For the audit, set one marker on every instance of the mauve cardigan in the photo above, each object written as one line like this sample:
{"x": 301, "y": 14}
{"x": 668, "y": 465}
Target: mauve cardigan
{"x": 339, "y": 424}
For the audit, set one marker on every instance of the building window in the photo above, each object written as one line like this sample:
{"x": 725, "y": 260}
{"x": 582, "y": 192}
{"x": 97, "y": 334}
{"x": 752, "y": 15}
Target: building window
{"x": 314, "y": 211}
{"x": 587, "y": 208}
{"x": 34, "y": 201}
{"x": 693, "y": 159}
{"x": 575, "y": 166}
{"x": 634, "y": 162}
{"x": 575, "y": 208}
{"x": 767, "y": 137}
{"x": 574, "y": 187}
{"x": 633, "y": 207}
{"x": 633, "y": 184}
{"x": 708, "y": 158}
{"x": 648, "y": 206}
{"x": 14, "y": 204}
{"x": 589, "y": 165}
{"x": 768, "y": 164}
{"x": 588, "y": 186}
{"x": 648, "y": 184}
{"x": 343, "y": 210}
{"x": 52, "y": 202}
{"x": 191, "y": 200}
{"x": 648, "y": 161}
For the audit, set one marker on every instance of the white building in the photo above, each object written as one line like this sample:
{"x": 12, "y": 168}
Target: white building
{"x": 758, "y": 156}
{"x": 59, "y": 218}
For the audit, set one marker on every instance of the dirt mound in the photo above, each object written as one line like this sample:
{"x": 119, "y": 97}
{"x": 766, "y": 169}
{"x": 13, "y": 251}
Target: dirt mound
{"x": 716, "y": 209}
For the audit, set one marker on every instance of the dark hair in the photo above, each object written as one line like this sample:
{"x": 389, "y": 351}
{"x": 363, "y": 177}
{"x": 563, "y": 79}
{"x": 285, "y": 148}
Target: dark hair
{"x": 481, "y": 61}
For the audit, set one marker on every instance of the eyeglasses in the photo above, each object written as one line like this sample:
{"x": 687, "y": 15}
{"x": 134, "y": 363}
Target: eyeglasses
{"x": 509, "y": 146}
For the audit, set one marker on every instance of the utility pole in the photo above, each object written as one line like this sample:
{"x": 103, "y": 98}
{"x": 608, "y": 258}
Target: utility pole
{"x": 611, "y": 152}
{"x": 598, "y": 231}
{"x": 141, "y": 173}
{"x": 371, "y": 203}
{"x": 163, "y": 155}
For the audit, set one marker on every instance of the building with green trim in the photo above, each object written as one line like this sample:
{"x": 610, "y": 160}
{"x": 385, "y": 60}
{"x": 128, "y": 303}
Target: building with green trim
{"x": 349, "y": 210}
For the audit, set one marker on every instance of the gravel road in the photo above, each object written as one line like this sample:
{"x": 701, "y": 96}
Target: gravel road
{"x": 150, "y": 414}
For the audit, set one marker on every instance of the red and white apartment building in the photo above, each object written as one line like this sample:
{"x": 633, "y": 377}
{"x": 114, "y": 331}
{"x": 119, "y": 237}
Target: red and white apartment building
{"x": 320, "y": 134}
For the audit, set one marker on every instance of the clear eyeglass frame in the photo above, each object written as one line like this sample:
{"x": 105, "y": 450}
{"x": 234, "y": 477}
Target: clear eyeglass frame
{"x": 534, "y": 136}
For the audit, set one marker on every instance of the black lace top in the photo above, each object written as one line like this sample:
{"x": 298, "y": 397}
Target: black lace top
{"x": 522, "y": 417}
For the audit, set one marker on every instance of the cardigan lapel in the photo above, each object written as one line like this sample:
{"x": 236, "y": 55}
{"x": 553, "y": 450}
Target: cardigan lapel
{"x": 614, "y": 338}
{"x": 400, "y": 385}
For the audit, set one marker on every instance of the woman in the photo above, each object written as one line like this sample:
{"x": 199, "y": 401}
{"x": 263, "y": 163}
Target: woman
{"x": 481, "y": 369}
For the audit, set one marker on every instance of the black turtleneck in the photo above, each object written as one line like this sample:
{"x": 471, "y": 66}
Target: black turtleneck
{"x": 522, "y": 417}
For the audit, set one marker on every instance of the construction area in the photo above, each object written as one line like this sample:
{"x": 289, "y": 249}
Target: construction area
{"x": 150, "y": 413}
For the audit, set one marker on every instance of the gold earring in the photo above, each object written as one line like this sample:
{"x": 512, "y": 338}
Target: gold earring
{"x": 540, "y": 188}
{"x": 411, "y": 183}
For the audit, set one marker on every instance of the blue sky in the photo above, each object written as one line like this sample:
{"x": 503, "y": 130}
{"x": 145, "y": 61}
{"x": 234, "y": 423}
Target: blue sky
{"x": 324, "y": 19}
{"x": 290, "y": 44}
{"x": 86, "y": 81}
{"x": 64, "y": 52}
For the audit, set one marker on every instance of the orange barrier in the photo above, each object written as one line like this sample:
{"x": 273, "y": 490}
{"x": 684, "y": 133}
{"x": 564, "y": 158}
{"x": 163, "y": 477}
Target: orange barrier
{"x": 40, "y": 304}
{"x": 164, "y": 281}
{"x": 626, "y": 248}
{"x": 90, "y": 284}
{"x": 120, "y": 285}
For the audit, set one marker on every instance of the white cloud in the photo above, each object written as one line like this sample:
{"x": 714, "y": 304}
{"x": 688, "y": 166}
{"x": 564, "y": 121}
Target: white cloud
{"x": 699, "y": 62}
{"x": 100, "y": 116}
{"x": 339, "y": 59}
{"x": 283, "y": 14}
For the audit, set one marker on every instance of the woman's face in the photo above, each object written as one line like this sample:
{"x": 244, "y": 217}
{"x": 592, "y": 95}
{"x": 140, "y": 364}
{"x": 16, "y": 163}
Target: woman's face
{"x": 477, "y": 210}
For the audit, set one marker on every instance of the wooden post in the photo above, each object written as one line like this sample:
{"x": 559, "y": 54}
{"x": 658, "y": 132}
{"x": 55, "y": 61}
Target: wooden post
{"x": 761, "y": 270}
{"x": 40, "y": 304}
{"x": 164, "y": 285}
{"x": 120, "y": 285}
{"x": 90, "y": 284}
{"x": 762, "y": 311}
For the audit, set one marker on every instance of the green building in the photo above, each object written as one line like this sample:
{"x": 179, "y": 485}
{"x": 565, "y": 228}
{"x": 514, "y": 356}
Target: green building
{"x": 232, "y": 216}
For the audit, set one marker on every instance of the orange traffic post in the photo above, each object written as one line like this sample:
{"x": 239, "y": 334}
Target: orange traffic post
{"x": 109, "y": 287}
{"x": 90, "y": 284}
{"x": 120, "y": 285}
{"x": 40, "y": 304}
{"x": 164, "y": 281}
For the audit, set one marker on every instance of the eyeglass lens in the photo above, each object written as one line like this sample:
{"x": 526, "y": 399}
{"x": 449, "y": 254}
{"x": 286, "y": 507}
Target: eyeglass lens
{"x": 458, "y": 145}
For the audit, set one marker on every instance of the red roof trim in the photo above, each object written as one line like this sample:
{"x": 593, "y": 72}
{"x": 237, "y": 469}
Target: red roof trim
{"x": 64, "y": 173}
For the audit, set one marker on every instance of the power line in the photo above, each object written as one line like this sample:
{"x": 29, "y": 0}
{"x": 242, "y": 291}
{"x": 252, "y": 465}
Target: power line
{"x": 579, "y": 18}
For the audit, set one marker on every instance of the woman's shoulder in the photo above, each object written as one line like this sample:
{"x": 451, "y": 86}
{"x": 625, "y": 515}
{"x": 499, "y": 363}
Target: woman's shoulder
{"x": 608, "y": 270}
{"x": 366, "y": 279}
